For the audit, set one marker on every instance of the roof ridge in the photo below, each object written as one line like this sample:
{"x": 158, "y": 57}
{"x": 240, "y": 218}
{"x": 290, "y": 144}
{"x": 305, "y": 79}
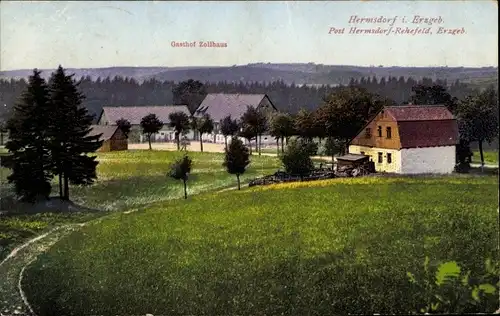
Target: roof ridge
{"x": 236, "y": 93}
{"x": 416, "y": 106}
{"x": 145, "y": 106}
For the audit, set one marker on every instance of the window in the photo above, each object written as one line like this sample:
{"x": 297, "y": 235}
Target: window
{"x": 368, "y": 133}
{"x": 388, "y": 132}
{"x": 379, "y": 129}
{"x": 380, "y": 158}
{"x": 389, "y": 158}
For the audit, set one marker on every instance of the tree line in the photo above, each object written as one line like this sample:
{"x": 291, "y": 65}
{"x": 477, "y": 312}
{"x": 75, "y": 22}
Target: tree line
{"x": 287, "y": 98}
{"x": 336, "y": 120}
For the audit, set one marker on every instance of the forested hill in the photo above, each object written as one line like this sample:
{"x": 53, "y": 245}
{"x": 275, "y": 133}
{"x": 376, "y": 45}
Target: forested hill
{"x": 290, "y": 98}
{"x": 298, "y": 73}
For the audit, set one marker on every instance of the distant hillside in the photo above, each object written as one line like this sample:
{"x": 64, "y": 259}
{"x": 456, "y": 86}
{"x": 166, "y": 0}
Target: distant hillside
{"x": 299, "y": 73}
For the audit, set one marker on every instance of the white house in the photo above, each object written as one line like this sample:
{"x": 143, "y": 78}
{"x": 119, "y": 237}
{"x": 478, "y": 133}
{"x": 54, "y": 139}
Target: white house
{"x": 410, "y": 140}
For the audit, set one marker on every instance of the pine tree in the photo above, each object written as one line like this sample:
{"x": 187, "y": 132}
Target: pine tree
{"x": 28, "y": 142}
{"x": 69, "y": 127}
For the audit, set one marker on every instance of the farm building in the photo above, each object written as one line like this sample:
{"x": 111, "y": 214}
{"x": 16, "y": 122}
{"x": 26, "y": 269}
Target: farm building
{"x": 112, "y": 137}
{"x": 220, "y": 105}
{"x": 409, "y": 140}
{"x": 134, "y": 114}
{"x": 352, "y": 160}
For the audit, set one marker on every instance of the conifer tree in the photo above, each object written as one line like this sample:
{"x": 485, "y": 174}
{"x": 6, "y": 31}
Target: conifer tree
{"x": 28, "y": 142}
{"x": 69, "y": 127}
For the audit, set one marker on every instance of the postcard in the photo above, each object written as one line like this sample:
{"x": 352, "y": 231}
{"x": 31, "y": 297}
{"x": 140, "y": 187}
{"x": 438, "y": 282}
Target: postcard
{"x": 249, "y": 157}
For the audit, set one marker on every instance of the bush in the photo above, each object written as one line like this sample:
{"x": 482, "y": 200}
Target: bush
{"x": 297, "y": 157}
{"x": 450, "y": 289}
{"x": 311, "y": 147}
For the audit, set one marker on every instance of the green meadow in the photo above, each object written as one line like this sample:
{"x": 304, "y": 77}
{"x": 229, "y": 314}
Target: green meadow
{"x": 125, "y": 180}
{"x": 314, "y": 248}
{"x": 490, "y": 157}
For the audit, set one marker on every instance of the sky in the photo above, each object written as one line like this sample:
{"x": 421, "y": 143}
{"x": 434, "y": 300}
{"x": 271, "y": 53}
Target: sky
{"x": 91, "y": 34}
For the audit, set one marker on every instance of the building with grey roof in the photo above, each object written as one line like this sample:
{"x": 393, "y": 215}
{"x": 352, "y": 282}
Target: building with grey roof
{"x": 220, "y": 105}
{"x": 134, "y": 114}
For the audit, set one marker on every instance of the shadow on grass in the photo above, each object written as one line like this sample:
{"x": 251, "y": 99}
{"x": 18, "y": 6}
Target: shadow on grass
{"x": 14, "y": 207}
{"x": 140, "y": 191}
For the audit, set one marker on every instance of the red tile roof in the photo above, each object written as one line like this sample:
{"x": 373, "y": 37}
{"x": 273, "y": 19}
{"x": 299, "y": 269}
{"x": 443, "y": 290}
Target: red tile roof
{"x": 419, "y": 113}
{"x": 414, "y": 134}
{"x": 423, "y": 126}
{"x": 134, "y": 114}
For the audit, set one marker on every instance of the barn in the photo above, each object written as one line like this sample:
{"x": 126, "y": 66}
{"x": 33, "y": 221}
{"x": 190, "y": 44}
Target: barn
{"x": 410, "y": 140}
{"x": 220, "y": 105}
{"x": 134, "y": 114}
{"x": 112, "y": 137}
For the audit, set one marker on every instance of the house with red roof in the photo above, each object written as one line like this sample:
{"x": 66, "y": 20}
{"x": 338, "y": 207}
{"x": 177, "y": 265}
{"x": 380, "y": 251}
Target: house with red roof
{"x": 134, "y": 114}
{"x": 409, "y": 140}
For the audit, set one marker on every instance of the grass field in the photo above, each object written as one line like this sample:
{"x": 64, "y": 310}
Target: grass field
{"x": 126, "y": 180}
{"x": 490, "y": 157}
{"x": 327, "y": 247}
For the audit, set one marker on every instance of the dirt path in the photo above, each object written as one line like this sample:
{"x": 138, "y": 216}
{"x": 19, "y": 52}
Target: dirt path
{"x": 13, "y": 300}
{"x": 194, "y": 146}
{"x": 207, "y": 147}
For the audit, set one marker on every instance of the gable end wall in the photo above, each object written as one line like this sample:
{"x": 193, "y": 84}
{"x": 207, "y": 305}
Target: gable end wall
{"x": 440, "y": 160}
{"x": 384, "y": 120}
{"x": 103, "y": 120}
